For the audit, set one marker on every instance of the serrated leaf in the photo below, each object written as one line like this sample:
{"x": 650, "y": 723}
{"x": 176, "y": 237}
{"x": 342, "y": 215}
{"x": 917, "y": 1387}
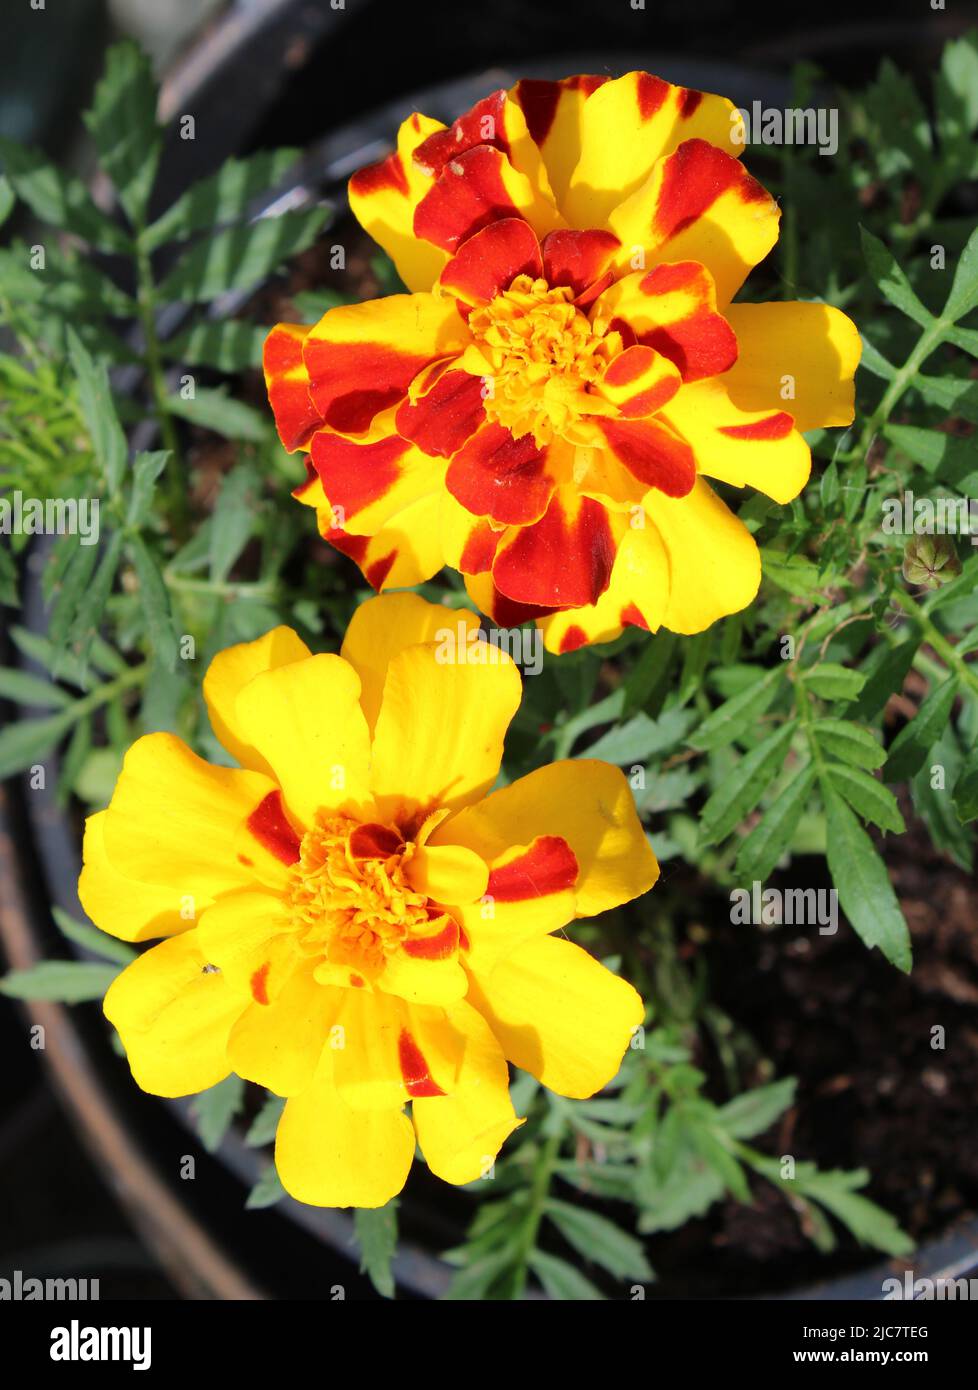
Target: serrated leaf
{"x": 964, "y": 288}
{"x": 376, "y": 1231}
{"x": 7, "y": 199}
{"x": 98, "y": 408}
{"x": 600, "y": 1240}
{"x": 915, "y": 740}
{"x": 216, "y": 1108}
{"x": 736, "y": 715}
{"x": 737, "y": 796}
{"x": 946, "y": 457}
{"x": 640, "y": 737}
{"x": 146, "y": 470}
{"x": 65, "y": 981}
{"x": 830, "y": 681}
{"x": 25, "y": 689}
{"x": 955, "y": 395}
{"x": 752, "y": 1112}
{"x": 57, "y": 198}
{"x": 849, "y": 742}
{"x": 215, "y": 410}
{"x": 224, "y": 197}
{"x": 91, "y": 609}
{"x": 870, "y": 1224}
{"x": 94, "y": 940}
{"x": 560, "y": 1280}
{"x": 122, "y": 122}
{"x": 761, "y": 851}
{"x": 30, "y": 741}
{"x": 965, "y": 795}
{"x": 869, "y": 798}
{"x": 238, "y": 258}
{"x": 234, "y": 518}
{"x": 267, "y": 1191}
{"x": 884, "y": 677}
{"x": 891, "y": 281}
{"x": 795, "y": 574}
{"x": 863, "y": 885}
{"x": 265, "y": 1123}
{"x": 155, "y": 603}
{"x": 229, "y": 345}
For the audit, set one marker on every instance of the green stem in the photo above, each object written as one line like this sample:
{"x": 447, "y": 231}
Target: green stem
{"x": 540, "y": 1190}
{"x": 937, "y": 640}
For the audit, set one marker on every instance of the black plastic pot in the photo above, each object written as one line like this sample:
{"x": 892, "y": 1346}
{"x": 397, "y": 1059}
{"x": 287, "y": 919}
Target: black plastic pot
{"x": 213, "y": 1248}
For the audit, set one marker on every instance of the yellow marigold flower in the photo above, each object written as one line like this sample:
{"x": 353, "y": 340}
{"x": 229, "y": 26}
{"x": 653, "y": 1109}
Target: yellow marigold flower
{"x": 351, "y": 920}
{"x": 543, "y": 409}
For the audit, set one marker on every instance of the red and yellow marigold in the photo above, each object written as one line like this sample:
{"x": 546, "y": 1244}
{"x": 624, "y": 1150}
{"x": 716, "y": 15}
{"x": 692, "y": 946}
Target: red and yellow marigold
{"x": 543, "y": 410}
{"x": 349, "y": 919}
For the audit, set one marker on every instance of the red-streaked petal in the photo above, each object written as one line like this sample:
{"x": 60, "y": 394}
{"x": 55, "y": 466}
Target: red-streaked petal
{"x": 501, "y": 477}
{"x": 653, "y": 453}
{"x": 553, "y": 112}
{"x": 439, "y": 944}
{"x": 491, "y": 259}
{"x": 503, "y": 611}
{"x": 673, "y": 309}
{"x": 483, "y": 124}
{"x": 564, "y": 560}
{"x": 776, "y": 426}
{"x": 578, "y": 259}
{"x": 475, "y": 189}
{"x": 287, "y": 382}
{"x": 547, "y": 865}
{"x": 273, "y": 830}
{"x": 440, "y": 421}
{"x": 414, "y": 1068}
{"x": 640, "y": 381}
{"x": 371, "y": 841}
{"x": 354, "y": 476}
{"x": 361, "y": 358}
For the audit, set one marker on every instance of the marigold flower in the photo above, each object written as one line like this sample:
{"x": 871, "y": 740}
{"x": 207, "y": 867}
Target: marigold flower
{"x": 542, "y": 410}
{"x": 350, "y": 920}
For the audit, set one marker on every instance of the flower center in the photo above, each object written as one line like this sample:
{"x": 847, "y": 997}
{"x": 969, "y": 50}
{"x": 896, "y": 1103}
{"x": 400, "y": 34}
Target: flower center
{"x": 543, "y": 353}
{"x": 350, "y": 898}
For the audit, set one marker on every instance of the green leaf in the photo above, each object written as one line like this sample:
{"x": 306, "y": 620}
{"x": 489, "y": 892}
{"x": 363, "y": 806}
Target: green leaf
{"x": 92, "y": 939}
{"x": 229, "y": 345}
{"x": 752, "y": 1112}
{"x": 600, "y": 1240}
{"x": 884, "y": 677}
{"x": 216, "y": 410}
{"x": 964, "y": 288}
{"x": 761, "y": 852}
{"x": 640, "y": 737}
{"x": 57, "y": 198}
{"x": 871, "y": 799}
{"x": 946, "y": 457}
{"x": 891, "y": 281}
{"x": 966, "y": 789}
{"x": 376, "y": 1232}
{"x": 25, "y": 689}
{"x": 793, "y": 573}
{"x": 561, "y": 1280}
{"x": 155, "y": 604}
{"x": 65, "y": 981}
{"x": 267, "y": 1190}
{"x": 739, "y": 793}
{"x": 915, "y": 740}
{"x": 98, "y": 408}
{"x": 7, "y": 199}
{"x": 146, "y": 470}
{"x": 863, "y": 884}
{"x": 869, "y": 1223}
{"x": 234, "y": 518}
{"x": 30, "y": 741}
{"x": 238, "y": 258}
{"x": 849, "y": 742}
{"x": 122, "y": 123}
{"x": 955, "y": 395}
{"x": 216, "y": 1108}
{"x": 738, "y": 714}
{"x": 265, "y": 1123}
{"x": 91, "y": 609}
{"x": 223, "y": 197}
{"x": 830, "y": 681}
{"x": 712, "y": 1149}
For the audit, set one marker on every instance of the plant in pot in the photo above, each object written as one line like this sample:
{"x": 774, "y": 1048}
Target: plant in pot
{"x": 769, "y": 751}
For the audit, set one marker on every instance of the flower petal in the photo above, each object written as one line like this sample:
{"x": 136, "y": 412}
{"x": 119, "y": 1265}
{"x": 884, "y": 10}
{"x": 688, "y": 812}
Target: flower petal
{"x": 653, "y": 452}
{"x": 248, "y": 936}
{"x": 579, "y": 260}
{"x": 386, "y": 1051}
{"x": 715, "y": 567}
{"x": 637, "y": 594}
{"x": 559, "y": 1015}
{"x": 461, "y": 1134}
{"x": 814, "y": 344}
{"x": 287, "y": 383}
{"x": 491, "y": 260}
{"x": 672, "y": 308}
{"x": 629, "y": 124}
{"x": 305, "y": 719}
{"x": 510, "y": 480}
{"x": 406, "y": 550}
{"x": 699, "y": 205}
{"x": 174, "y": 1016}
{"x": 448, "y": 874}
{"x": 441, "y": 419}
{"x": 233, "y": 668}
{"x": 383, "y": 197}
{"x": 640, "y": 381}
{"x": 562, "y": 560}
{"x": 439, "y": 735}
{"x": 361, "y": 358}
{"x": 278, "y": 1044}
{"x": 369, "y": 483}
{"x": 330, "y": 1155}
{"x": 474, "y": 189}
{"x": 553, "y": 112}
{"x": 121, "y": 906}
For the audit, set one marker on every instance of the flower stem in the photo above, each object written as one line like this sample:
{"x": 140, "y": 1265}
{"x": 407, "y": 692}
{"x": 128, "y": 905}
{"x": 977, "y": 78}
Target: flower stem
{"x": 938, "y": 641}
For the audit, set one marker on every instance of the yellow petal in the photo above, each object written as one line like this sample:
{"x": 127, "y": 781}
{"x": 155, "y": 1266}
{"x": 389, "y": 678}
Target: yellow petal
{"x": 715, "y": 567}
{"x": 122, "y": 906}
{"x": 554, "y": 114}
{"x": 815, "y": 345}
{"x": 249, "y": 935}
{"x": 559, "y": 1014}
{"x": 406, "y": 550}
{"x": 278, "y": 1044}
{"x": 626, "y": 126}
{"x": 439, "y": 735}
{"x": 330, "y": 1155}
{"x": 448, "y": 874}
{"x": 305, "y": 719}
{"x": 384, "y": 626}
{"x": 232, "y": 669}
{"x": 461, "y": 1134}
{"x": 637, "y": 593}
{"x": 174, "y": 1015}
{"x": 173, "y": 820}
{"x": 385, "y": 1051}
{"x": 589, "y": 804}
